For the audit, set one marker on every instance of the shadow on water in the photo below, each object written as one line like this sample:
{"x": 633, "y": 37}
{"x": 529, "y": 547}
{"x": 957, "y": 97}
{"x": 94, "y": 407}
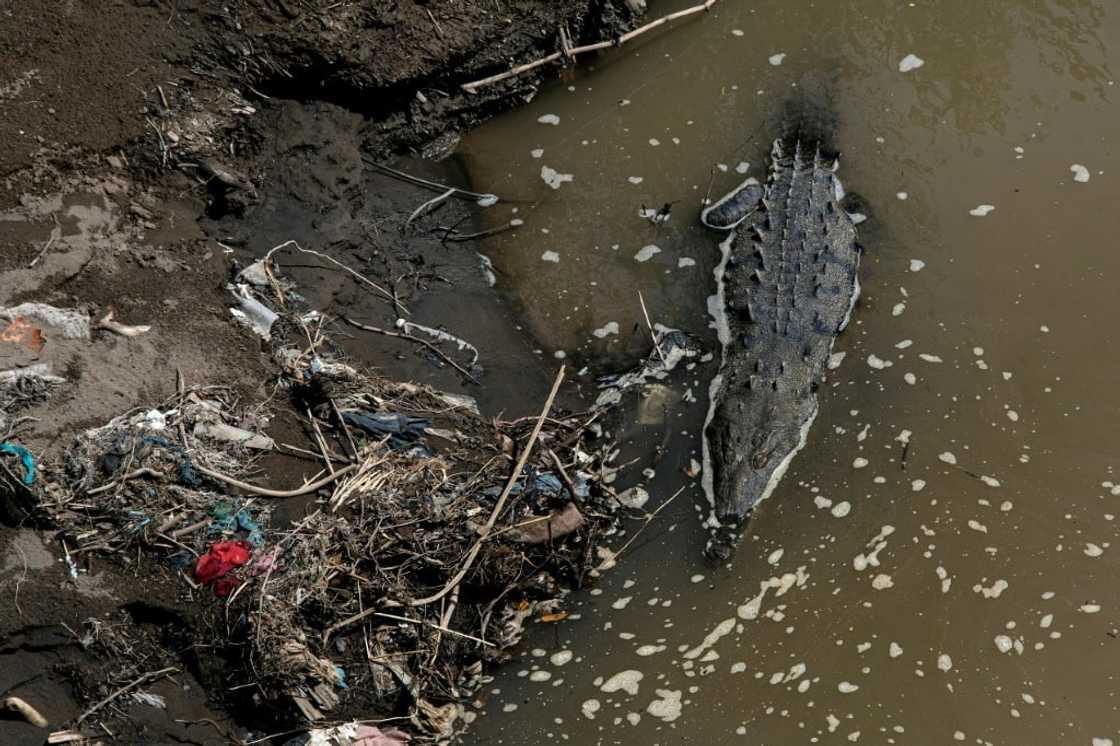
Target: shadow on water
{"x": 938, "y": 566}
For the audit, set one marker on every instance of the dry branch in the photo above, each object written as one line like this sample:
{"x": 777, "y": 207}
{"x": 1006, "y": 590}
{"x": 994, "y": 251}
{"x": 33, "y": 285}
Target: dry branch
{"x": 569, "y": 52}
{"x": 513, "y": 477}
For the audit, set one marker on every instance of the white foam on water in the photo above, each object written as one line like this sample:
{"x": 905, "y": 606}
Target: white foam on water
{"x": 948, "y": 457}
{"x": 536, "y": 152}
{"x": 668, "y": 705}
{"x": 626, "y": 681}
{"x": 551, "y": 256}
{"x": 995, "y": 591}
{"x": 777, "y": 59}
{"x": 944, "y": 662}
{"x": 981, "y": 210}
{"x": 646, "y": 253}
{"x": 717, "y": 633}
{"x": 634, "y": 179}
{"x": 930, "y": 358}
{"x": 685, "y": 261}
{"x": 895, "y": 650}
{"x": 1080, "y": 173}
{"x": 910, "y": 62}
{"x": 835, "y": 359}
{"x": 554, "y": 178}
{"x": 882, "y": 582}
{"x": 561, "y": 657}
{"x": 917, "y": 265}
{"x": 878, "y": 363}
{"x": 548, "y": 119}
{"x": 611, "y": 327}
{"x": 846, "y": 687}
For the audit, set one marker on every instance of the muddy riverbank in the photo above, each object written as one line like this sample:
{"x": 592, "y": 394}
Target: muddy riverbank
{"x": 148, "y": 151}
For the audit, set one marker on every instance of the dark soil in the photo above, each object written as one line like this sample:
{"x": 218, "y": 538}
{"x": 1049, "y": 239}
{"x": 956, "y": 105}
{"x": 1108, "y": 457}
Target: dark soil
{"x": 146, "y": 149}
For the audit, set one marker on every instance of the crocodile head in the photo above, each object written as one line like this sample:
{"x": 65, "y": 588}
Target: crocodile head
{"x": 752, "y": 438}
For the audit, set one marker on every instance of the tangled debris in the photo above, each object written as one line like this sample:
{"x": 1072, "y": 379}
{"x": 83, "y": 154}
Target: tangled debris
{"x": 432, "y": 536}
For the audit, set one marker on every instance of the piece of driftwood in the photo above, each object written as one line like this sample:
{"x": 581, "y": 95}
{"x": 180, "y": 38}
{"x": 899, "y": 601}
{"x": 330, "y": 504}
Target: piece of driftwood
{"x": 569, "y": 52}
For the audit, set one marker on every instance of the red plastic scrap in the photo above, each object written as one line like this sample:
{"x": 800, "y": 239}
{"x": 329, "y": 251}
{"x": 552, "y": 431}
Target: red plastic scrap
{"x": 218, "y": 561}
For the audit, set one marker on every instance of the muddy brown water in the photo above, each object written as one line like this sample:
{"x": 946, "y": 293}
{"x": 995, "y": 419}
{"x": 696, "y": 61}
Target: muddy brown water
{"x": 940, "y": 563}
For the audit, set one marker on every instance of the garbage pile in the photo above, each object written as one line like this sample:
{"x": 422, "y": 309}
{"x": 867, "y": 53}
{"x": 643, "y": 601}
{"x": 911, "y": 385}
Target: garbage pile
{"x": 430, "y": 537}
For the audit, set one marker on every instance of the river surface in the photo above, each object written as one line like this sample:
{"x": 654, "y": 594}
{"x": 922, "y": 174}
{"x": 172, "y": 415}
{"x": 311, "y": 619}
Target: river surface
{"x": 940, "y": 564}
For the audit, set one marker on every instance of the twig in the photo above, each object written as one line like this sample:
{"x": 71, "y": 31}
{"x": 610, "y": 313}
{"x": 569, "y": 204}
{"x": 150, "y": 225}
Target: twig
{"x": 417, "y": 340}
{"x": 345, "y": 429}
{"x": 56, "y": 232}
{"x": 146, "y": 677}
{"x": 144, "y": 472}
{"x": 430, "y": 204}
{"x": 564, "y": 475}
{"x": 649, "y": 326}
{"x": 372, "y": 611}
{"x": 264, "y": 491}
{"x": 485, "y": 532}
{"x": 459, "y": 237}
{"x": 573, "y": 52}
{"x": 341, "y": 266}
{"x": 461, "y": 193}
{"x": 649, "y": 519}
{"x": 22, "y": 577}
{"x": 436, "y": 24}
{"x": 321, "y": 441}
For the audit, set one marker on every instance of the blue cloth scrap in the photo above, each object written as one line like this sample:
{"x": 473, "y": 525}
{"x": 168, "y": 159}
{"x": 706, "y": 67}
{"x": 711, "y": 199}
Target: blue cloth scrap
{"x": 402, "y": 429}
{"x": 25, "y": 456}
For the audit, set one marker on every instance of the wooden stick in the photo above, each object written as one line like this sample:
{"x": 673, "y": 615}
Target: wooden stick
{"x": 341, "y": 266}
{"x": 652, "y": 335}
{"x": 430, "y": 204}
{"x": 264, "y": 491}
{"x": 573, "y": 52}
{"x": 461, "y": 193}
{"x": 144, "y": 472}
{"x": 417, "y": 340}
{"x": 485, "y": 532}
{"x": 146, "y": 677}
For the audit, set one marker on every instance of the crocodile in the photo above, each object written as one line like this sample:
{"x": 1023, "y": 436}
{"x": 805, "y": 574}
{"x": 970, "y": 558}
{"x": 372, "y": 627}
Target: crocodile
{"x": 786, "y": 287}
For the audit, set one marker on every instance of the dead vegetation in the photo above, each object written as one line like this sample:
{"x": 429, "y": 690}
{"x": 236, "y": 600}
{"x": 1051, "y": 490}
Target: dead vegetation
{"x": 430, "y": 537}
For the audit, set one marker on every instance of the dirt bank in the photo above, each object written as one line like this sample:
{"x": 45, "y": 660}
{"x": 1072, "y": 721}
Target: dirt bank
{"x": 148, "y": 151}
